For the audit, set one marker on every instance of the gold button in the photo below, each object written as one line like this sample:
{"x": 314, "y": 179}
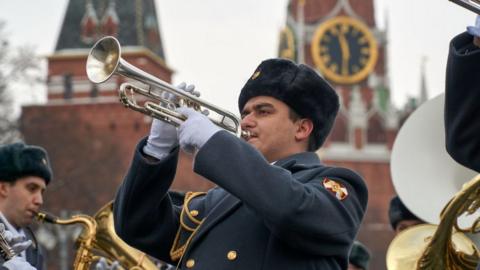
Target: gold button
{"x": 232, "y": 255}
{"x": 194, "y": 213}
{"x": 190, "y": 263}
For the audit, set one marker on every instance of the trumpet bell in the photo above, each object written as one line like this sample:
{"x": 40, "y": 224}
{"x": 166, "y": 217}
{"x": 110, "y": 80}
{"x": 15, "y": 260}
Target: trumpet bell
{"x": 424, "y": 175}
{"x": 103, "y": 59}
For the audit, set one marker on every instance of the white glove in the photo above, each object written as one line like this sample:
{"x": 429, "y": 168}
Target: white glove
{"x": 18, "y": 243}
{"x": 196, "y": 130}
{"x": 102, "y": 264}
{"x": 163, "y": 136}
{"x": 475, "y": 30}
{"x": 18, "y": 263}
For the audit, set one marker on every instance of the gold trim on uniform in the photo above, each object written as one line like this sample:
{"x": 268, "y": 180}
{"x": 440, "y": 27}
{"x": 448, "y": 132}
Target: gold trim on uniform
{"x": 190, "y": 263}
{"x": 194, "y": 213}
{"x": 232, "y": 255}
{"x": 177, "y": 250}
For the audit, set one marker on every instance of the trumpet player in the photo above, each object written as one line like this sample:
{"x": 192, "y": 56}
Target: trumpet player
{"x": 24, "y": 174}
{"x": 276, "y": 206}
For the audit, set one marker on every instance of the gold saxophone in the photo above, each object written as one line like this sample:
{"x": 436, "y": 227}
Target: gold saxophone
{"x": 98, "y": 239}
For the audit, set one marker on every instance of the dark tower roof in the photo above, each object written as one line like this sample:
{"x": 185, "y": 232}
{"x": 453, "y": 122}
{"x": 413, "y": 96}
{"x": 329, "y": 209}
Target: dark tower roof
{"x": 133, "y": 22}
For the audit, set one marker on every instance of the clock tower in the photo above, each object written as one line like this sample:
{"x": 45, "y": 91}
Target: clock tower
{"x": 340, "y": 39}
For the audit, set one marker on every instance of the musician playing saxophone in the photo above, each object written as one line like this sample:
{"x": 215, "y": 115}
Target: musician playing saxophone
{"x": 276, "y": 205}
{"x": 24, "y": 174}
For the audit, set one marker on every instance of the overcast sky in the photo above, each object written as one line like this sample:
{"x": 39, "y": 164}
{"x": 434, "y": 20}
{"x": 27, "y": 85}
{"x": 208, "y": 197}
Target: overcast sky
{"x": 216, "y": 44}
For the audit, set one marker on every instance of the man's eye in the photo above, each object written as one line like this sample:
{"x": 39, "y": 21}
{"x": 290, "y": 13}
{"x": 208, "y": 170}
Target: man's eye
{"x": 263, "y": 112}
{"x": 31, "y": 188}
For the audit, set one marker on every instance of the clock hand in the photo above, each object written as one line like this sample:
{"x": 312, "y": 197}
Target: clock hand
{"x": 345, "y": 52}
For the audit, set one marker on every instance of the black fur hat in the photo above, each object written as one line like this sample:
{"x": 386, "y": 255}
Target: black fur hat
{"x": 298, "y": 86}
{"x": 398, "y": 212}
{"x": 19, "y": 160}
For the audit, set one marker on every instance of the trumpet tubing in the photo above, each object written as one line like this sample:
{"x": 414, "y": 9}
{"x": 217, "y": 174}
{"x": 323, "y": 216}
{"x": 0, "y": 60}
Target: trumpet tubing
{"x": 104, "y": 60}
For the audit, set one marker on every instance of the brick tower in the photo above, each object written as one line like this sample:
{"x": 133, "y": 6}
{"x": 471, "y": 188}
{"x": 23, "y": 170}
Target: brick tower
{"x": 341, "y": 40}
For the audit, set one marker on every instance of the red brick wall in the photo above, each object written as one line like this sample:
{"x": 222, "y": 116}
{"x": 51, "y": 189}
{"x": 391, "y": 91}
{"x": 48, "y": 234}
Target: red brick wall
{"x": 317, "y": 9}
{"x": 90, "y": 147}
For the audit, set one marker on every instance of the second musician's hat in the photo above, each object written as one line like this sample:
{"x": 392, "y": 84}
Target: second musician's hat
{"x": 18, "y": 160}
{"x": 398, "y": 212}
{"x": 298, "y": 86}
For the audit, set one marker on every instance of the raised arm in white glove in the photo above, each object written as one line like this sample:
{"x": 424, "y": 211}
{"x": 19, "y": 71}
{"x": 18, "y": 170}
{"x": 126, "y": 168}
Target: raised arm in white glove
{"x": 18, "y": 263}
{"x": 475, "y": 30}
{"x": 163, "y": 136}
{"x": 196, "y": 130}
{"x": 18, "y": 243}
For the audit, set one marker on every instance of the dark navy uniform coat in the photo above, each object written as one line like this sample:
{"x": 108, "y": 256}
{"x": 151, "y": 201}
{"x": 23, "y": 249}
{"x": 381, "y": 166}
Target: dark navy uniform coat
{"x": 261, "y": 216}
{"x": 462, "y": 102}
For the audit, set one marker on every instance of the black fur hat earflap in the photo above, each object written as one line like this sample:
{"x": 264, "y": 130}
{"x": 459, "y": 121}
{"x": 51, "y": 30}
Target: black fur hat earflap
{"x": 298, "y": 86}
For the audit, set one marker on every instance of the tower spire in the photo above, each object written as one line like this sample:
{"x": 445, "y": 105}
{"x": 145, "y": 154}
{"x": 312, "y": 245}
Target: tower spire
{"x": 423, "y": 83}
{"x": 301, "y": 31}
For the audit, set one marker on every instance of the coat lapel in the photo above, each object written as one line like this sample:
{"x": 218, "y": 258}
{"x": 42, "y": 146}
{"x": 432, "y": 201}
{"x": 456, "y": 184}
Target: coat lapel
{"x": 32, "y": 251}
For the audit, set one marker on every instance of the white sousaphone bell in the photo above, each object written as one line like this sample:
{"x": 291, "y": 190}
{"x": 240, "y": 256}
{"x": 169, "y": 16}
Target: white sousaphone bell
{"x": 424, "y": 175}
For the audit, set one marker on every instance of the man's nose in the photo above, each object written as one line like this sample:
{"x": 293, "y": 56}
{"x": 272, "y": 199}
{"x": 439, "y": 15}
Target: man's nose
{"x": 248, "y": 121}
{"x": 38, "y": 199}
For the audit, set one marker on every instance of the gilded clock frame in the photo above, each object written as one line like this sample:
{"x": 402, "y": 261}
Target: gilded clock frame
{"x": 320, "y": 63}
{"x": 289, "y": 52}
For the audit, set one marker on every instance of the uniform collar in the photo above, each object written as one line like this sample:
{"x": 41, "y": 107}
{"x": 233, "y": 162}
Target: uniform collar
{"x": 299, "y": 161}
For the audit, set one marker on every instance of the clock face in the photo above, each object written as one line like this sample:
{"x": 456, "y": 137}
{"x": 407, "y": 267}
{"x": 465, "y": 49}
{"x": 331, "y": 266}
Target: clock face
{"x": 344, "y": 50}
{"x": 287, "y": 44}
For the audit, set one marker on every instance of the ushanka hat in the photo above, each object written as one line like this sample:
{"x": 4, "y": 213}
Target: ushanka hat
{"x": 398, "y": 212}
{"x": 19, "y": 160}
{"x": 298, "y": 86}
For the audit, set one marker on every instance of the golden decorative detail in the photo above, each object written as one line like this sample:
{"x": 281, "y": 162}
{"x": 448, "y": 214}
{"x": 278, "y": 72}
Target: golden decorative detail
{"x": 190, "y": 263}
{"x": 431, "y": 247}
{"x": 287, "y": 44}
{"x": 339, "y": 45}
{"x": 232, "y": 255}
{"x": 98, "y": 239}
{"x": 177, "y": 250}
{"x": 194, "y": 213}
{"x": 256, "y": 74}
{"x": 336, "y": 188}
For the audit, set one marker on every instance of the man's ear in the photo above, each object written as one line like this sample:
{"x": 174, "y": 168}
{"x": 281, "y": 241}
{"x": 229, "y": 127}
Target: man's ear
{"x": 304, "y": 129}
{"x": 4, "y": 188}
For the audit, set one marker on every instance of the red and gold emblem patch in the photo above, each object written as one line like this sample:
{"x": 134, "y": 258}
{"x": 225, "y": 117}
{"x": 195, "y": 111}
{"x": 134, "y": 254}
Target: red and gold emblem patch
{"x": 336, "y": 188}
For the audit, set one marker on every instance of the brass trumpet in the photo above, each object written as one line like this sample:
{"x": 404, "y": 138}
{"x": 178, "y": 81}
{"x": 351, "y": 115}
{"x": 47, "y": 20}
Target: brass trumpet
{"x": 473, "y": 5}
{"x": 104, "y": 60}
